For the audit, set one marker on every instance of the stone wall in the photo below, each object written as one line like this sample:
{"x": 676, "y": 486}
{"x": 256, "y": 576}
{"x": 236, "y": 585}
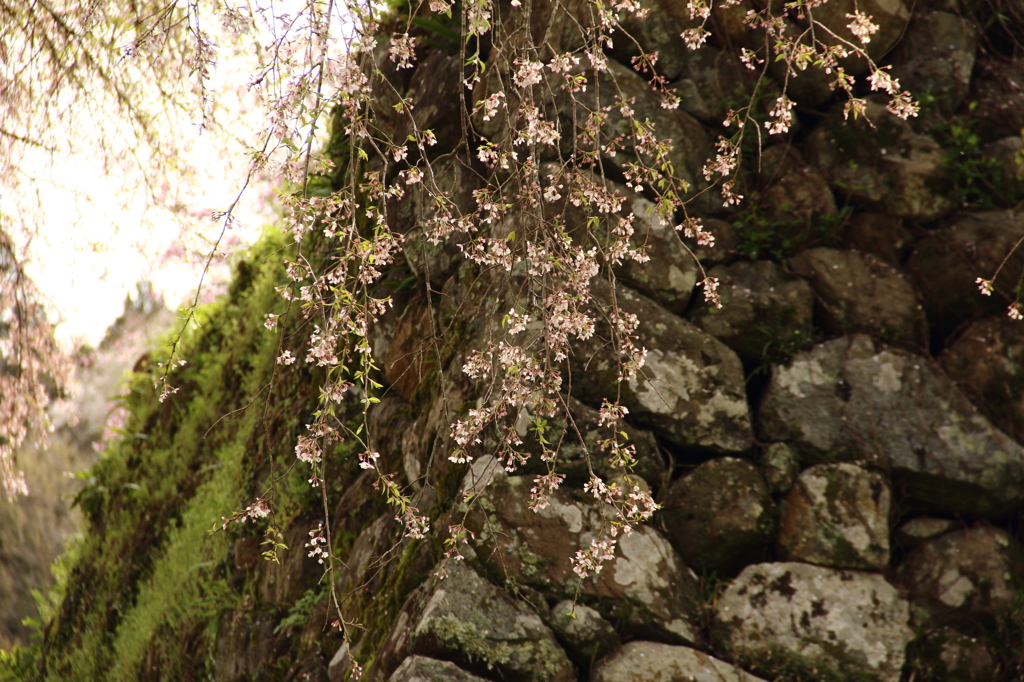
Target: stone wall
{"x": 837, "y": 451}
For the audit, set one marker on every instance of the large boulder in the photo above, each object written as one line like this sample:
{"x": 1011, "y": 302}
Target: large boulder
{"x": 470, "y": 622}
{"x": 713, "y": 81}
{"x": 998, "y": 89}
{"x": 690, "y": 144}
{"x": 586, "y": 635}
{"x": 934, "y": 60}
{"x": 812, "y": 86}
{"x": 844, "y": 400}
{"x": 946, "y": 264}
{"x": 690, "y": 389}
{"x": 859, "y": 293}
{"x": 986, "y": 362}
{"x": 888, "y": 168}
{"x": 646, "y": 588}
{"x": 965, "y": 576}
{"x": 578, "y": 440}
{"x": 656, "y": 31}
{"x": 445, "y": 192}
{"x": 883, "y": 236}
{"x": 792, "y": 616}
{"x": 765, "y": 312}
{"x": 720, "y": 517}
{"x": 837, "y": 515}
{"x": 653, "y": 662}
{"x": 945, "y": 655}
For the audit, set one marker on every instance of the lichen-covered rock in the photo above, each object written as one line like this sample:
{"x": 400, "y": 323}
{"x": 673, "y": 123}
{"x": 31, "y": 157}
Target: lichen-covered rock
{"x": 670, "y": 275}
{"x": 915, "y": 531}
{"x": 844, "y": 401}
{"x": 764, "y": 311}
{"x": 690, "y": 143}
{"x": 445, "y": 192}
{"x": 691, "y": 388}
{"x": 586, "y": 635}
{"x": 423, "y": 669}
{"x": 858, "y": 293}
{"x": 934, "y": 61}
{"x": 880, "y": 234}
{"x": 965, "y": 575}
{"x": 998, "y": 89}
{"x": 657, "y": 31}
{"x": 577, "y": 459}
{"x": 946, "y": 655}
{"x": 889, "y": 168}
{"x": 467, "y": 620}
{"x": 653, "y": 662}
{"x": 1008, "y": 155}
{"x": 836, "y": 515}
{"x": 780, "y": 467}
{"x": 812, "y": 86}
{"x": 987, "y": 361}
{"x": 646, "y": 587}
{"x": 713, "y": 77}
{"x": 791, "y": 615}
{"x": 946, "y": 264}
{"x": 801, "y": 200}
{"x": 720, "y": 516}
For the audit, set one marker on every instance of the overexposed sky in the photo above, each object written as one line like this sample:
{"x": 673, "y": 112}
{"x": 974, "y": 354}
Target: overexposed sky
{"x": 98, "y": 235}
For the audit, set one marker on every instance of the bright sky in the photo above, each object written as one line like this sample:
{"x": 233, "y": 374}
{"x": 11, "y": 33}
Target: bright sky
{"x": 98, "y": 236}
{"x": 92, "y": 251}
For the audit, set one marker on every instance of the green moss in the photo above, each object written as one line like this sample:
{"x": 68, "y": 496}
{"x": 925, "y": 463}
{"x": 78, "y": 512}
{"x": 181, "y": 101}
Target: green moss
{"x": 148, "y": 584}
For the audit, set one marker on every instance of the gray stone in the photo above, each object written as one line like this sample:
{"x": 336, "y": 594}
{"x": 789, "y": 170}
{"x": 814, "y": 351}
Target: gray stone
{"x": 466, "y": 619}
{"x": 645, "y": 587}
{"x": 658, "y": 31}
{"x": 934, "y": 60}
{"x": 452, "y": 183}
{"x": 765, "y": 313}
{"x": 690, "y": 389}
{"x": 577, "y": 459}
{"x": 654, "y": 662}
{"x": 859, "y": 293}
{"x": 837, "y": 515}
{"x": 586, "y": 635}
{"x": 998, "y": 89}
{"x": 725, "y": 248}
{"x": 949, "y": 656}
{"x": 423, "y": 669}
{"x": 811, "y": 87}
{"x": 800, "y": 204}
{"x": 792, "y": 615}
{"x": 946, "y": 263}
{"x": 1008, "y": 155}
{"x": 846, "y": 401}
{"x": 720, "y": 516}
{"x": 915, "y": 531}
{"x": 965, "y": 575}
{"x": 780, "y": 467}
{"x": 986, "y": 362}
{"x": 714, "y": 80}
{"x": 889, "y": 168}
{"x": 672, "y": 272}
{"x": 690, "y": 143}
{"x": 881, "y": 235}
